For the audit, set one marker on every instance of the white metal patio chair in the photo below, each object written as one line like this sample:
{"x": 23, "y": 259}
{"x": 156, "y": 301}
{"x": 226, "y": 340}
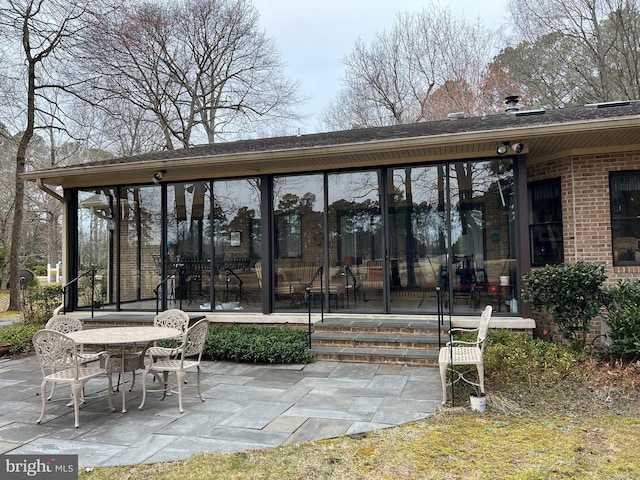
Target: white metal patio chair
{"x": 133, "y": 360}
{"x": 65, "y": 324}
{"x": 190, "y": 354}
{"x": 461, "y": 353}
{"x": 172, "y": 318}
{"x": 58, "y": 353}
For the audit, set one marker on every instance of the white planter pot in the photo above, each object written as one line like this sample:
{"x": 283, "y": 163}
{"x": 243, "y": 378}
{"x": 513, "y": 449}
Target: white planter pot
{"x": 478, "y": 401}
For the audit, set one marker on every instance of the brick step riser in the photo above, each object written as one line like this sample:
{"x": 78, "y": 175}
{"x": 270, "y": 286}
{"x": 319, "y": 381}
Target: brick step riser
{"x": 350, "y": 358}
{"x": 327, "y": 342}
{"x": 379, "y": 331}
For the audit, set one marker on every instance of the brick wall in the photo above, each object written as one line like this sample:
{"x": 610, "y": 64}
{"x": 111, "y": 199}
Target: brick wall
{"x": 586, "y": 214}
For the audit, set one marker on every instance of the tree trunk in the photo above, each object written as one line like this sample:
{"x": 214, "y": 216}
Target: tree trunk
{"x": 18, "y": 215}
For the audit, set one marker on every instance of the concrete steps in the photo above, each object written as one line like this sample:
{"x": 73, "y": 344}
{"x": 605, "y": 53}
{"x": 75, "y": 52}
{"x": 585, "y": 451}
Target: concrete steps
{"x": 397, "y": 341}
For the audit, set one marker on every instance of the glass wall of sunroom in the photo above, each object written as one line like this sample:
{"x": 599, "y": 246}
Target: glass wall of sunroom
{"x": 370, "y": 241}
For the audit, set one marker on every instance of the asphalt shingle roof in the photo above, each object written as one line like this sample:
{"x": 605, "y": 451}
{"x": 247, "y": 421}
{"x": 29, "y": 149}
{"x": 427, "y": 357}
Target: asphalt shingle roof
{"x": 523, "y": 118}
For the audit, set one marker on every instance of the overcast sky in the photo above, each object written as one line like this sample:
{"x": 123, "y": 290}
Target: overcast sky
{"x": 314, "y": 36}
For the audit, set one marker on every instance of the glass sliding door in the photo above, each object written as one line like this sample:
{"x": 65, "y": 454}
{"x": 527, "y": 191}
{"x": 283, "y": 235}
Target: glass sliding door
{"x": 299, "y": 241}
{"x": 96, "y": 246}
{"x": 189, "y": 245}
{"x": 140, "y": 233}
{"x": 236, "y": 236}
{"x": 482, "y": 265}
{"x": 418, "y": 237}
{"x": 451, "y": 226}
{"x": 355, "y": 236}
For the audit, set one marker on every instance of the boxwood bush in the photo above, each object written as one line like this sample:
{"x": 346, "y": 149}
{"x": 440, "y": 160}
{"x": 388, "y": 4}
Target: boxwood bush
{"x": 245, "y": 343}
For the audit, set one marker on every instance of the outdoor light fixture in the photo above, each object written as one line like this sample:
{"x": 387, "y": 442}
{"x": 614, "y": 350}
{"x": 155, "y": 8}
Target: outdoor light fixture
{"x": 504, "y": 148}
{"x": 158, "y": 176}
{"x": 517, "y": 147}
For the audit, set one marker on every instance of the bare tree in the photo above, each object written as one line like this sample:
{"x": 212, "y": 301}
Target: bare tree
{"x": 203, "y": 68}
{"x": 575, "y": 51}
{"x": 45, "y": 31}
{"x": 394, "y": 79}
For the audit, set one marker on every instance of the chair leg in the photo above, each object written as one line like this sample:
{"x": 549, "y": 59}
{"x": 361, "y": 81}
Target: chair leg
{"x": 133, "y": 381}
{"x": 180, "y": 381}
{"x": 53, "y": 389}
{"x": 443, "y": 378}
{"x": 198, "y": 380}
{"x": 110, "y": 392}
{"x": 144, "y": 388}
{"x": 43, "y": 389}
{"x": 165, "y": 381}
{"x": 481, "y": 377}
{"x": 76, "y": 391}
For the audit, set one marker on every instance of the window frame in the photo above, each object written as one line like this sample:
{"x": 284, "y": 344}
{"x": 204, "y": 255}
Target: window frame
{"x": 546, "y": 234}
{"x": 625, "y": 226}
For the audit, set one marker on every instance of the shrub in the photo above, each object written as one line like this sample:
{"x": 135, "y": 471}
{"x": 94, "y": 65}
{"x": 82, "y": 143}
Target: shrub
{"x": 19, "y": 337}
{"x": 570, "y": 293}
{"x": 243, "y": 343}
{"x": 622, "y": 314}
{"x": 40, "y": 270}
{"x": 40, "y": 301}
{"x": 516, "y": 358}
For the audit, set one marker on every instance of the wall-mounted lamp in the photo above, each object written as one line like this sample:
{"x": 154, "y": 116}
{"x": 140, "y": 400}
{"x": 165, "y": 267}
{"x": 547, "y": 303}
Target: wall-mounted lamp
{"x": 158, "y": 176}
{"x": 504, "y": 148}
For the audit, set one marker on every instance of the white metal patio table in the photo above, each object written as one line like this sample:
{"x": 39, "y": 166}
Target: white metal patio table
{"x": 123, "y": 336}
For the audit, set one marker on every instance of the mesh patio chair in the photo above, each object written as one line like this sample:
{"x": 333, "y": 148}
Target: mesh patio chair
{"x": 190, "y": 354}
{"x": 57, "y": 353}
{"x": 462, "y": 353}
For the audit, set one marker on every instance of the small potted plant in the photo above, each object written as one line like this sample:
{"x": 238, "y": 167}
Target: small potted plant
{"x": 478, "y": 401}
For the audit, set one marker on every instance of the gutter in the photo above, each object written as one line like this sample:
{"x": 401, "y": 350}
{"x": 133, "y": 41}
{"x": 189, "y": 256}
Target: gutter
{"x": 41, "y": 185}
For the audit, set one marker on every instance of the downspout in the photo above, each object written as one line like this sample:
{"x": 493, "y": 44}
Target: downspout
{"x": 48, "y": 191}
{"x": 41, "y": 185}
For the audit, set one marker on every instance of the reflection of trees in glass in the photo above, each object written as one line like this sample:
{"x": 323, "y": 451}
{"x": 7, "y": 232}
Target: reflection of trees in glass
{"x": 236, "y": 208}
{"x": 359, "y": 228}
{"x": 291, "y": 213}
{"x": 95, "y": 226}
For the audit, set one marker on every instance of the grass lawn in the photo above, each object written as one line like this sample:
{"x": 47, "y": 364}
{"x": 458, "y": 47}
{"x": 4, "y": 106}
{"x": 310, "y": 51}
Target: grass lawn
{"x": 4, "y": 304}
{"x": 586, "y": 427}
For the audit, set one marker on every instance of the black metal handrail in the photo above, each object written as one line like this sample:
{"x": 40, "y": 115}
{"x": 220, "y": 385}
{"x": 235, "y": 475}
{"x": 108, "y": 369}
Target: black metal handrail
{"x": 307, "y": 290}
{"x": 348, "y": 272}
{"x": 162, "y": 285}
{"x": 91, "y": 272}
{"x": 229, "y": 273}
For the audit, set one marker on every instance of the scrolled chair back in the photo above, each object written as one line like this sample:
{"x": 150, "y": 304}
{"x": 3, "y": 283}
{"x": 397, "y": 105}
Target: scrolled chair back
{"x": 63, "y": 324}
{"x": 195, "y": 339}
{"x": 54, "y": 349}
{"x": 173, "y": 318}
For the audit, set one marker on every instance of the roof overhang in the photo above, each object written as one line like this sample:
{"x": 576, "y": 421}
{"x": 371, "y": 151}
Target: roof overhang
{"x": 541, "y": 141}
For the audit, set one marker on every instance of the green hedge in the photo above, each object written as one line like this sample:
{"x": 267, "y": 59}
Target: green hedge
{"x": 40, "y": 301}
{"x": 622, "y": 314}
{"x": 243, "y": 343}
{"x": 19, "y": 337}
